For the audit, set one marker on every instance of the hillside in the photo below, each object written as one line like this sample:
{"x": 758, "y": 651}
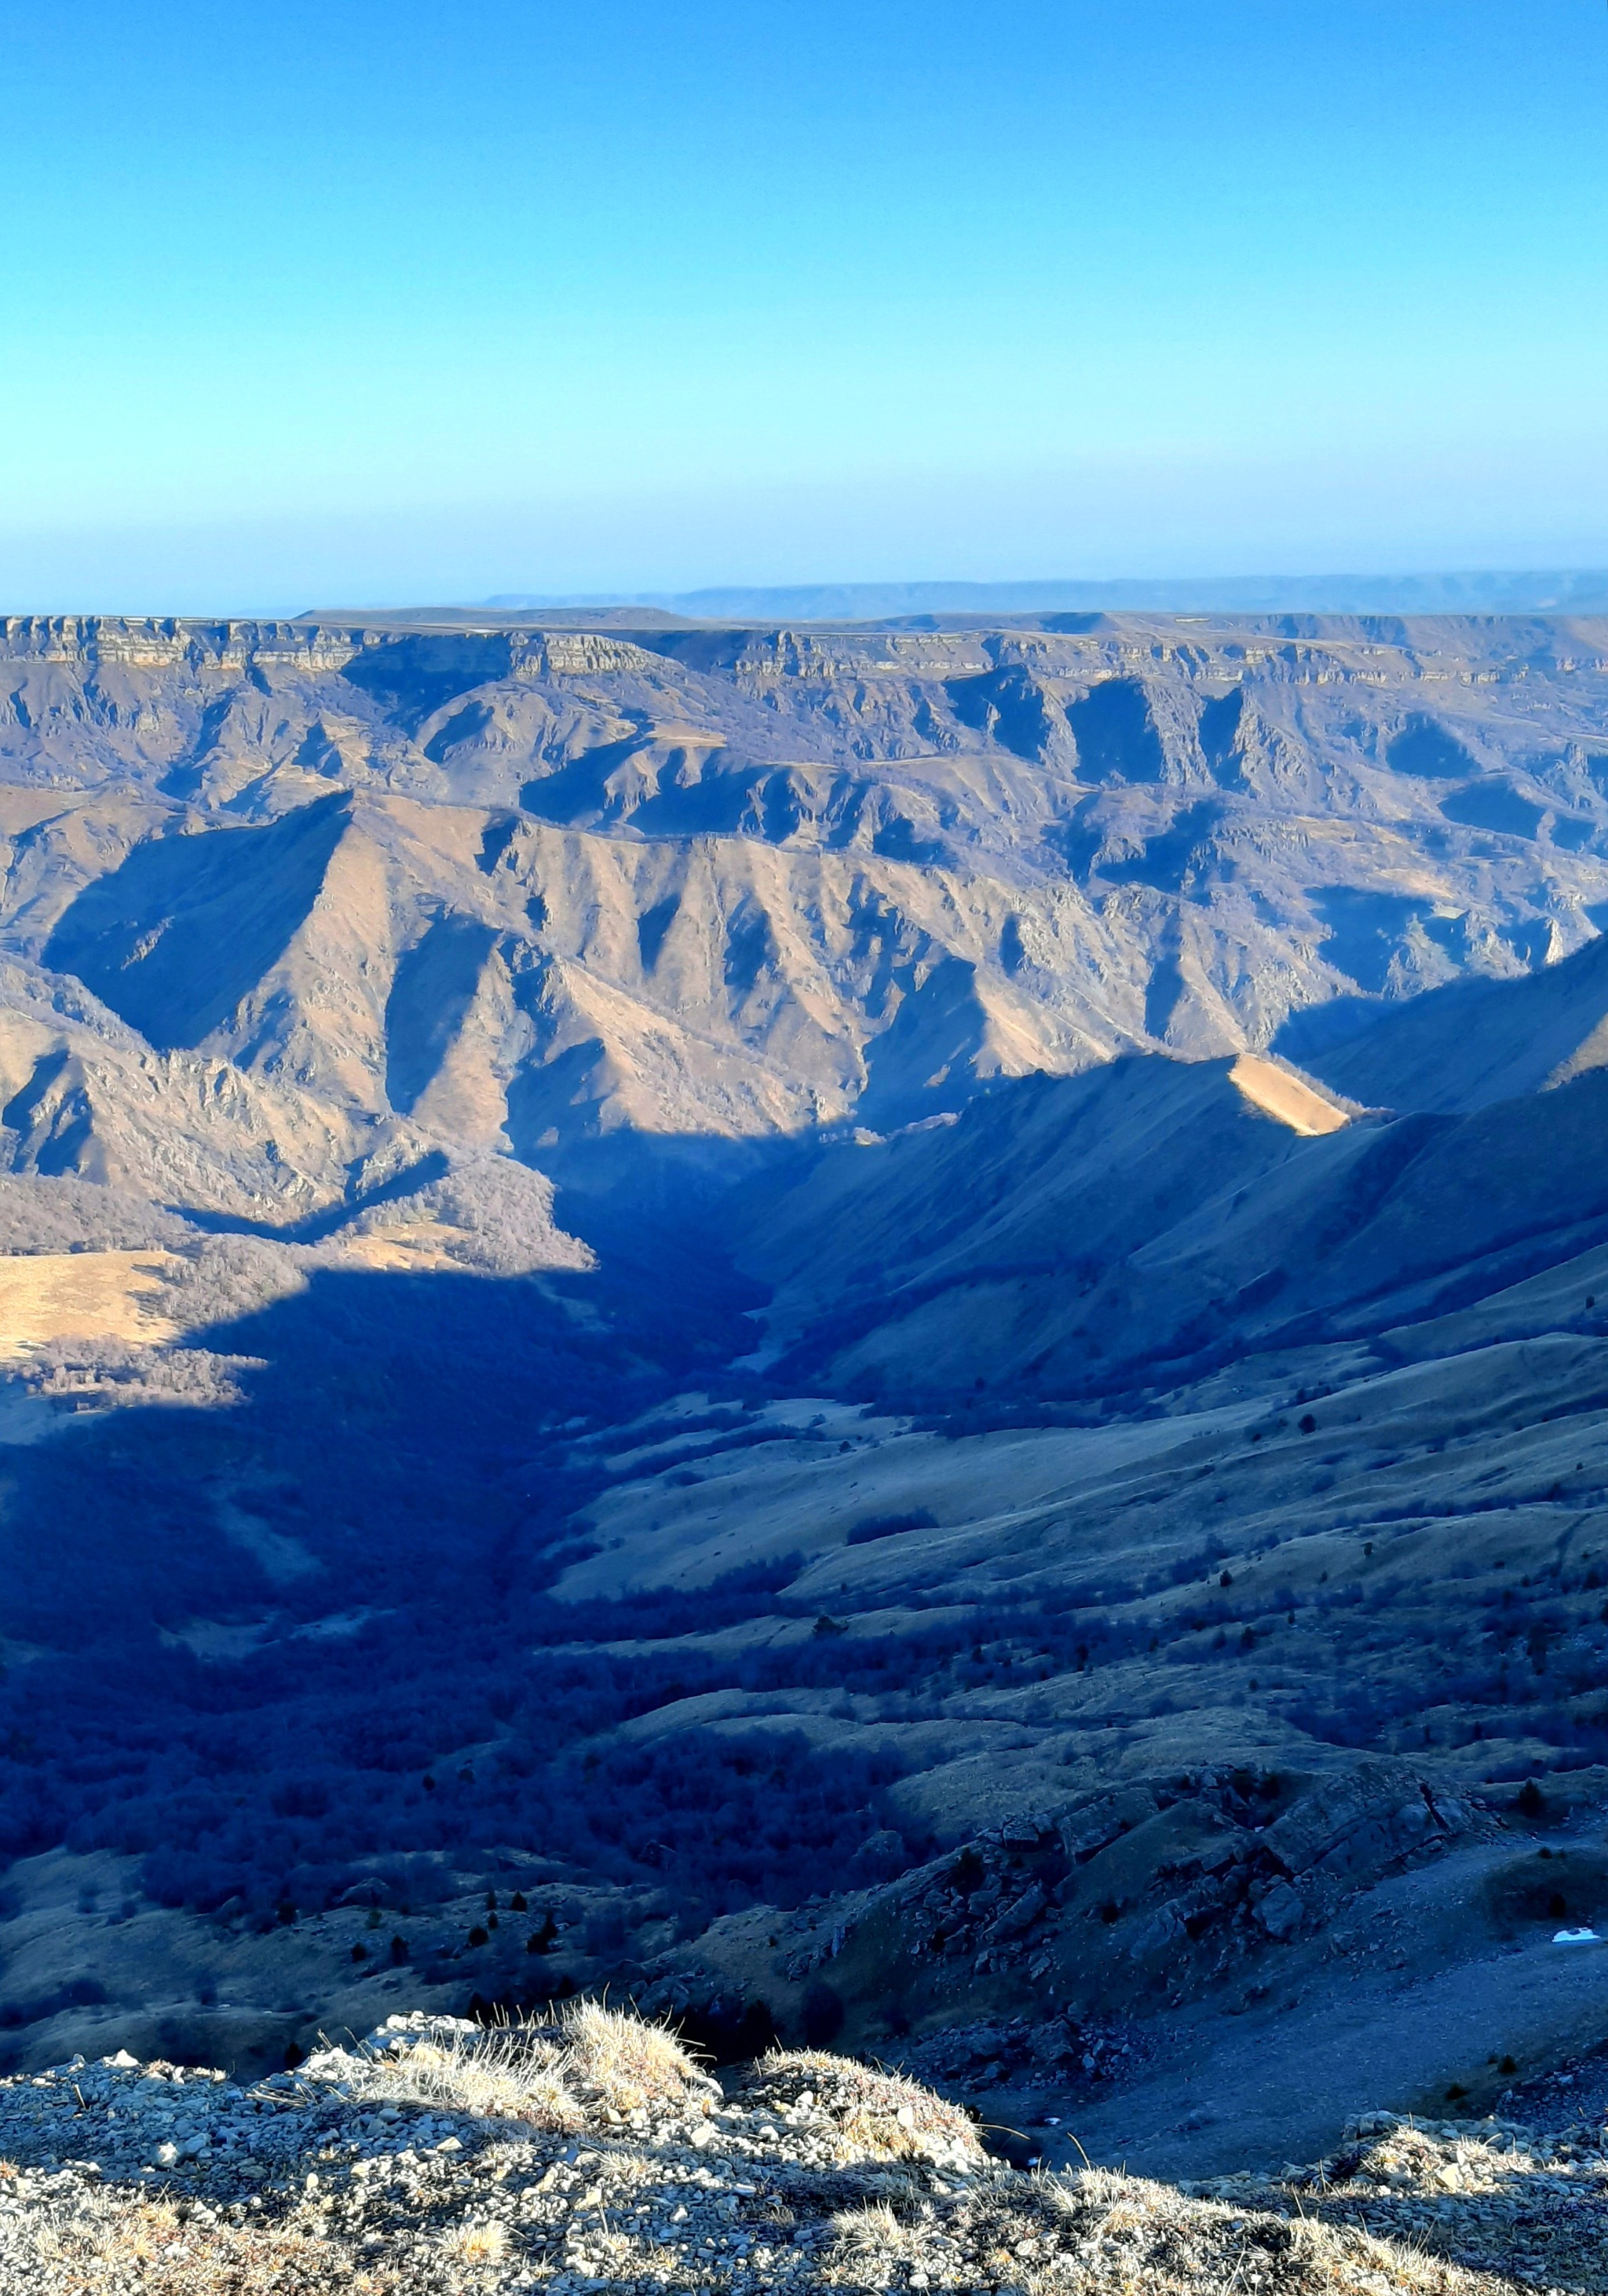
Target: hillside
{"x": 594, "y": 2153}
{"x": 1148, "y": 1222}
{"x": 901, "y": 1322}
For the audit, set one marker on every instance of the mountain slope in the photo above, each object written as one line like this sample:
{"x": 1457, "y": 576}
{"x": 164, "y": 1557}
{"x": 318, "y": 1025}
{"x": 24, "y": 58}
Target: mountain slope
{"x": 529, "y": 886}
{"x": 1470, "y": 1044}
{"x": 1150, "y": 1220}
{"x": 669, "y": 1272}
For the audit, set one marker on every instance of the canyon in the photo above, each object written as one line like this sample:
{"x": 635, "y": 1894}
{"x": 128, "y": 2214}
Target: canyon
{"x": 900, "y": 1318}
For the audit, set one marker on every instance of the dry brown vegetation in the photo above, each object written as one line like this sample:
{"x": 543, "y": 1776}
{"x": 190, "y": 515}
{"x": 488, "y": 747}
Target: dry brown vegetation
{"x": 597, "y": 2059}
{"x": 1035, "y": 2237}
{"x": 112, "y": 2244}
{"x": 875, "y": 2112}
{"x": 51, "y": 1296}
{"x": 1099, "y": 2229}
{"x": 815, "y": 2173}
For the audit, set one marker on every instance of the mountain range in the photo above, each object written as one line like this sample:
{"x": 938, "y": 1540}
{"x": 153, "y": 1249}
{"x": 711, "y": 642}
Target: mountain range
{"x": 1573, "y": 590}
{"x": 902, "y": 1319}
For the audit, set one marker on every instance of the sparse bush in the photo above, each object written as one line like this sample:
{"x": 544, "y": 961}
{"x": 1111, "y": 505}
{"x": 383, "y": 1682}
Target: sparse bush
{"x": 40, "y": 1215}
{"x": 499, "y": 1214}
{"x": 220, "y": 1279}
{"x": 105, "y": 1373}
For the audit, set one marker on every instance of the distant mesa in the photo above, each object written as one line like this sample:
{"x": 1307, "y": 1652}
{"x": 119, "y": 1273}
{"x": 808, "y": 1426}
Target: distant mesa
{"x": 730, "y": 881}
{"x": 1067, "y": 605}
{"x": 415, "y": 678}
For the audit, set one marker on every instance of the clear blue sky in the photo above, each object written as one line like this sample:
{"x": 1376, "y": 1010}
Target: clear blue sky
{"x": 376, "y": 302}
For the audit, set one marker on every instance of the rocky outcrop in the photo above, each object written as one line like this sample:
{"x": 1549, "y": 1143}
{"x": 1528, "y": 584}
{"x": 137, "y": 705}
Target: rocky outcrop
{"x": 435, "y": 2158}
{"x": 1162, "y": 1886}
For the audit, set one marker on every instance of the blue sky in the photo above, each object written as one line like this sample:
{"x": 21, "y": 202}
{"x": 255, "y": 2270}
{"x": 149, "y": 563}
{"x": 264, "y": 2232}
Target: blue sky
{"x": 375, "y": 303}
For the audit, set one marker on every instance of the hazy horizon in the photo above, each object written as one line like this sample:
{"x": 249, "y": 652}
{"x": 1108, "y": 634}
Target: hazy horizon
{"x": 441, "y": 310}
{"x": 1481, "y": 591}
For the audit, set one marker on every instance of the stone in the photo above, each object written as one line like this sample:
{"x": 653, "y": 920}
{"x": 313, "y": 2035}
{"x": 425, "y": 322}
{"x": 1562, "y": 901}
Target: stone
{"x": 1281, "y": 1911}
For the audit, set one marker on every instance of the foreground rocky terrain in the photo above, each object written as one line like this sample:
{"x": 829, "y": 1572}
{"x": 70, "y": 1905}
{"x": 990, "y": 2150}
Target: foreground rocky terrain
{"x": 594, "y": 2154}
{"x": 887, "y": 1337}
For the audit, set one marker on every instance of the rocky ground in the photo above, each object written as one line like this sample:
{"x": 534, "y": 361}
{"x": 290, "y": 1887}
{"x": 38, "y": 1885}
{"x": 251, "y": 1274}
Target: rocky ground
{"x": 595, "y": 2155}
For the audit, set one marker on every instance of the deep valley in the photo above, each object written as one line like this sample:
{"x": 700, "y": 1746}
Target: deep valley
{"x": 891, "y": 1335}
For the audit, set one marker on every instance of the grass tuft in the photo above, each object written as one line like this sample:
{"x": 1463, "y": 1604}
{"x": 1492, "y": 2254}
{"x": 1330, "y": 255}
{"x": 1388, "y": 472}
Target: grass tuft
{"x": 478, "y": 2246}
{"x": 597, "y": 2059}
{"x": 632, "y": 2062}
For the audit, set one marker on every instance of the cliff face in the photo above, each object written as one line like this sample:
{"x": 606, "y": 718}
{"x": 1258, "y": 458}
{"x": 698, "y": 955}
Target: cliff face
{"x": 510, "y": 890}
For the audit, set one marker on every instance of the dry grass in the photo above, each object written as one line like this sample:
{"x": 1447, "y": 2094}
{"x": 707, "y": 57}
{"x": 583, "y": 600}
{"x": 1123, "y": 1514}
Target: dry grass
{"x": 1104, "y": 2233}
{"x": 874, "y": 2232}
{"x": 1095, "y": 2233}
{"x": 420, "y": 1245}
{"x": 49, "y": 1296}
{"x": 1295, "y": 1101}
{"x": 477, "y": 2246}
{"x": 1128, "y": 2234}
{"x": 508, "y": 2075}
{"x": 601, "y": 2058}
{"x": 1105, "y": 2236}
{"x": 1099, "y": 2233}
{"x": 109, "y": 2246}
{"x": 877, "y": 2112}
{"x": 633, "y": 2064}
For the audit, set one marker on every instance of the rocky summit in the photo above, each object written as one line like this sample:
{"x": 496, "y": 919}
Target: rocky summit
{"x": 890, "y": 1337}
{"x": 594, "y": 2155}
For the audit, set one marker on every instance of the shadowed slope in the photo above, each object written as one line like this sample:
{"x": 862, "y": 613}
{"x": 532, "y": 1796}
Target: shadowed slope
{"x": 1473, "y": 1043}
{"x": 186, "y": 928}
{"x": 1152, "y": 1219}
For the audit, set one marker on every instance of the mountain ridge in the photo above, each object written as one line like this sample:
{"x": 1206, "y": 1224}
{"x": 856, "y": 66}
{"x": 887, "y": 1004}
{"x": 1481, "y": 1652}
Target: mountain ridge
{"x": 706, "y": 882}
{"x": 905, "y": 1322}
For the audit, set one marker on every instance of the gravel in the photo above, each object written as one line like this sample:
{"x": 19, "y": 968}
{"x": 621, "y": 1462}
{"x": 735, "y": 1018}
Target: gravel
{"x": 805, "y": 2173}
